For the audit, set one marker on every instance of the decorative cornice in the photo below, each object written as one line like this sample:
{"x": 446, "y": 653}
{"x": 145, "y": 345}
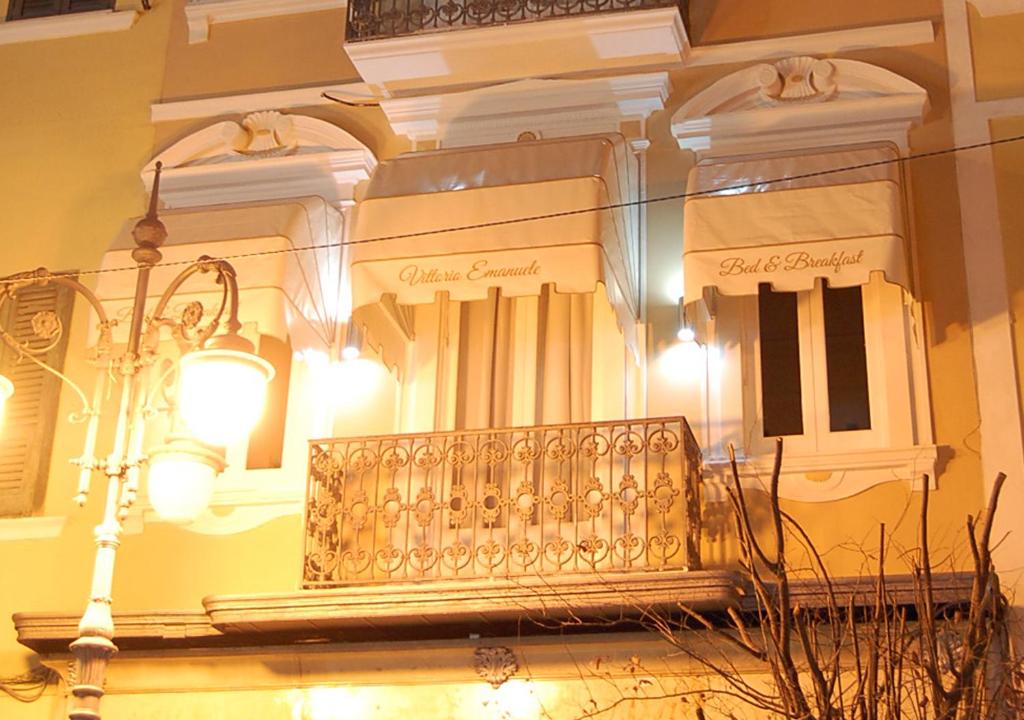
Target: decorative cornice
{"x": 201, "y": 14}
{"x": 68, "y": 25}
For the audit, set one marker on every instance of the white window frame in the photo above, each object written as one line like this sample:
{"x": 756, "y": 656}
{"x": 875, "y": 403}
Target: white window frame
{"x": 884, "y": 368}
{"x": 821, "y": 464}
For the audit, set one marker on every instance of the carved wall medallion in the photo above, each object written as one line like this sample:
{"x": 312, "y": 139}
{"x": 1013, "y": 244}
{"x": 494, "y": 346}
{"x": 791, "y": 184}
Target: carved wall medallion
{"x": 192, "y": 315}
{"x": 46, "y": 324}
{"x": 495, "y": 664}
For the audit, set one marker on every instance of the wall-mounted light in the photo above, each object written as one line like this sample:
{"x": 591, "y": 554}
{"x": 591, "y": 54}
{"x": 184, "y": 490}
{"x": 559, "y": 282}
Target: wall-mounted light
{"x": 685, "y": 333}
{"x": 6, "y": 390}
{"x": 353, "y": 346}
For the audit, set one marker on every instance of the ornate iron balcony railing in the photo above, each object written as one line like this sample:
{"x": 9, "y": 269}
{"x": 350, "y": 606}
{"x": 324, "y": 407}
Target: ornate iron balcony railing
{"x": 544, "y": 501}
{"x": 378, "y": 19}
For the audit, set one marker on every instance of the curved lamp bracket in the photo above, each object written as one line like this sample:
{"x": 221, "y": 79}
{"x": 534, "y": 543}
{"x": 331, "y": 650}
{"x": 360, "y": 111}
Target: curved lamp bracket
{"x": 47, "y": 326}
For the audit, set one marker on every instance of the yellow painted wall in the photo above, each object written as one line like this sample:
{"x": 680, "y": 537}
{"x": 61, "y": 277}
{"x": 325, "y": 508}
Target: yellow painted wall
{"x": 716, "y": 21}
{"x": 998, "y": 54}
{"x": 1009, "y": 167}
{"x": 75, "y": 119}
{"x": 73, "y": 143}
{"x": 262, "y": 54}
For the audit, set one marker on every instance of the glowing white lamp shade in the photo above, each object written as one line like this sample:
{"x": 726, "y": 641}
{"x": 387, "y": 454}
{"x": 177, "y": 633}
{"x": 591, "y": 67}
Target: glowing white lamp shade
{"x": 181, "y": 475}
{"x": 222, "y": 392}
{"x": 6, "y": 390}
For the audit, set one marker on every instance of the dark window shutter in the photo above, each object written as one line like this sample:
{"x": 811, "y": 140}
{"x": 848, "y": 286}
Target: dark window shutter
{"x": 21, "y": 9}
{"x": 26, "y": 436}
{"x": 73, "y": 6}
{"x": 24, "y": 9}
{"x": 266, "y": 443}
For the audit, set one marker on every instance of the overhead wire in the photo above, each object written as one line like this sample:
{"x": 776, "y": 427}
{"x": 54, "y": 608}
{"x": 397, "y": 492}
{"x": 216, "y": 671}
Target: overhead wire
{"x": 555, "y": 215}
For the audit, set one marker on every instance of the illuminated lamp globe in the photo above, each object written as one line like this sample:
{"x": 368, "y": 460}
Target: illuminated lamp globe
{"x": 181, "y": 475}
{"x": 222, "y": 390}
{"x": 6, "y": 390}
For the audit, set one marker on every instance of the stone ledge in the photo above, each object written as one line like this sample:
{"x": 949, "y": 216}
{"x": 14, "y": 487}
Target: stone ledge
{"x": 53, "y": 632}
{"x": 468, "y": 602}
{"x": 433, "y": 609}
{"x": 451, "y": 609}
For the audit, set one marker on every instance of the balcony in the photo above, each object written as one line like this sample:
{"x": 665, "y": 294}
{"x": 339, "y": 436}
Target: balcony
{"x": 545, "y": 502}
{"x": 421, "y": 47}
{"x": 379, "y": 19}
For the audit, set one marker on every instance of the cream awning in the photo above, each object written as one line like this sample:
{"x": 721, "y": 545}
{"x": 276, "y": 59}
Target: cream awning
{"x": 839, "y": 227}
{"x": 289, "y": 291}
{"x": 402, "y": 242}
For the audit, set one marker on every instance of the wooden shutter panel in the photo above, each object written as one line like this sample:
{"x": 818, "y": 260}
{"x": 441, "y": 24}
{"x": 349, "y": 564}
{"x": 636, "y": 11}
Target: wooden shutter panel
{"x": 21, "y": 9}
{"x": 26, "y": 436}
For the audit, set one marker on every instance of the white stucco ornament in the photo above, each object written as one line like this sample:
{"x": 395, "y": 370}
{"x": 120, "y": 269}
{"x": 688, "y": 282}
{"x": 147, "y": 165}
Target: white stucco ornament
{"x": 495, "y": 664}
{"x": 797, "y": 79}
{"x": 266, "y": 155}
{"x": 268, "y": 133}
{"x": 799, "y": 103}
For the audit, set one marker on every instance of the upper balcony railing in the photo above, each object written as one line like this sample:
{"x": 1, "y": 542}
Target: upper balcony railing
{"x": 379, "y": 19}
{"x": 544, "y": 501}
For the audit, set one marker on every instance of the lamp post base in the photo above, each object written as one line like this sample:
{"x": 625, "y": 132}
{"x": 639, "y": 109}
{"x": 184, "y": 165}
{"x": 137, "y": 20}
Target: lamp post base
{"x": 91, "y": 656}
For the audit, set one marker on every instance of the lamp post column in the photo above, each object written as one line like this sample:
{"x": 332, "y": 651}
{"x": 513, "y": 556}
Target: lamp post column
{"x": 95, "y": 645}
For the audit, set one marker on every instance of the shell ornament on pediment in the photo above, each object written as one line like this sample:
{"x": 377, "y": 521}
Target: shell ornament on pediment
{"x": 800, "y": 79}
{"x": 269, "y": 134}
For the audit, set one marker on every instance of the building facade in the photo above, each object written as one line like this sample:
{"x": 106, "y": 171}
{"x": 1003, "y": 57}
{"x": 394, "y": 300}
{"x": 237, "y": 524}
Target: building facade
{"x": 525, "y": 272}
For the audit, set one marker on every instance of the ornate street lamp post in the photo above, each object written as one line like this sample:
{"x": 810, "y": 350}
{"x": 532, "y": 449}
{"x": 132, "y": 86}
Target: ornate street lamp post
{"x": 221, "y": 389}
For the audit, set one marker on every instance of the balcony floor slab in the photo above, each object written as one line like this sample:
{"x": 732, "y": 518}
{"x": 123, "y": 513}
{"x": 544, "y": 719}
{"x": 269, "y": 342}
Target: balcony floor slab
{"x": 474, "y": 603}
